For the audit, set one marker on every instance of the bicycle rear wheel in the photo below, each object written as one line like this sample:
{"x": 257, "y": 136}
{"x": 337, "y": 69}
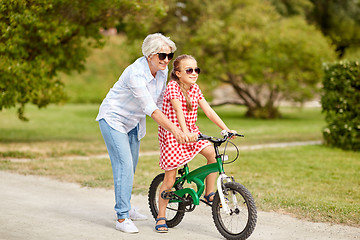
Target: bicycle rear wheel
{"x": 174, "y": 212}
{"x": 241, "y": 221}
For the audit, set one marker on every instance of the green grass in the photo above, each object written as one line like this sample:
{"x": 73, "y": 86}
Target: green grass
{"x": 69, "y": 129}
{"x": 53, "y": 131}
{"x": 54, "y": 123}
{"x": 296, "y": 125}
{"x": 311, "y": 182}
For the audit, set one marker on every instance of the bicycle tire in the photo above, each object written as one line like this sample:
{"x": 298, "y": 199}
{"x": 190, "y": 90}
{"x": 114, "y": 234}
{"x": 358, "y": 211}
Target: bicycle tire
{"x": 241, "y": 222}
{"x": 173, "y": 217}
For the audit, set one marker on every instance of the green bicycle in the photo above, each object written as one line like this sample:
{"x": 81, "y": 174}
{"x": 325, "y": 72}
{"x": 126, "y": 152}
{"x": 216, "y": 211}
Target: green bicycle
{"x": 233, "y": 208}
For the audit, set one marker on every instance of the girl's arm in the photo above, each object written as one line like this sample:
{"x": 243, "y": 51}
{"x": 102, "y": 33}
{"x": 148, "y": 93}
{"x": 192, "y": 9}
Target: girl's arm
{"x": 179, "y": 114}
{"x": 212, "y": 115}
{"x": 181, "y": 118}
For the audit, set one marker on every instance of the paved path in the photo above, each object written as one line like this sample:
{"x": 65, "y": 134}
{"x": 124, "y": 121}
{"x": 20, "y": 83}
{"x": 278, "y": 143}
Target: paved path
{"x": 34, "y": 207}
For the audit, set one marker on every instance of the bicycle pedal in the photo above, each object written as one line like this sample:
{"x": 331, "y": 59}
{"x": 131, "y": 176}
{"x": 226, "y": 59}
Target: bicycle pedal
{"x": 167, "y": 194}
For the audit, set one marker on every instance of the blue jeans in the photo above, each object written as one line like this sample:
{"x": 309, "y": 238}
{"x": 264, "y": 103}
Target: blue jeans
{"x": 124, "y": 155}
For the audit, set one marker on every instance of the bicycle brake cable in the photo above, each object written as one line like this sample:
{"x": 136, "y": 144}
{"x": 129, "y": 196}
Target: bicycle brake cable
{"x": 237, "y": 150}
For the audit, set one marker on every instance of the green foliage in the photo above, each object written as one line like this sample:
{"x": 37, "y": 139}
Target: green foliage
{"x": 266, "y": 57}
{"x": 337, "y": 19}
{"x": 38, "y": 39}
{"x": 102, "y": 69}
{"x": 293, "y": 7}
{"x": 341, "y": 104}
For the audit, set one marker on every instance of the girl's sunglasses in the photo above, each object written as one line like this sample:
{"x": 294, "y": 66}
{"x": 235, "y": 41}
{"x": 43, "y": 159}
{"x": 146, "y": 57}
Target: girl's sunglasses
{"x": 162, "y": 56}
{"x": 190, "y": 70}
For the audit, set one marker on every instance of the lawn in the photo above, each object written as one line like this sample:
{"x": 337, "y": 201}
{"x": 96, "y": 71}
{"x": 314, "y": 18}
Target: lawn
{"x": 72, "y": 129}
{"x": 310, "y": 182}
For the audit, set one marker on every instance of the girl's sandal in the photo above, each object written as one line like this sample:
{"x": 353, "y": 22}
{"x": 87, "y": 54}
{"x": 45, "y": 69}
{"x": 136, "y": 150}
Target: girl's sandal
{"x": 207, "y": 197}
{"x": 157, "y": 227}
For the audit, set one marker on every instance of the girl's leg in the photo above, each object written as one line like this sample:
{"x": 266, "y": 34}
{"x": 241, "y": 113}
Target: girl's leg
{"x": 209, "y": 153}
{"x": 168, "y": 182}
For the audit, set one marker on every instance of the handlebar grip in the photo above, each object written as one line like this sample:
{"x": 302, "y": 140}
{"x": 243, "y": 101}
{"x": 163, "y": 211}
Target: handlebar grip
{"x": 203, "y": 137}
{"x": 230, "y": 134}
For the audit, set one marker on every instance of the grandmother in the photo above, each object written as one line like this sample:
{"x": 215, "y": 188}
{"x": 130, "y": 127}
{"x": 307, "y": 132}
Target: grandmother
{"x": 122, "y": 120}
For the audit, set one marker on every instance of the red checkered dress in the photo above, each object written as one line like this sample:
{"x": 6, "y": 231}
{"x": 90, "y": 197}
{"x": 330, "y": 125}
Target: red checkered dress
{"x": 172, "y": 154}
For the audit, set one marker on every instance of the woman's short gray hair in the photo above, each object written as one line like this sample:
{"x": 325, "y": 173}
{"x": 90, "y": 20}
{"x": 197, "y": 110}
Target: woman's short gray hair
{"x": 154, "y": 42}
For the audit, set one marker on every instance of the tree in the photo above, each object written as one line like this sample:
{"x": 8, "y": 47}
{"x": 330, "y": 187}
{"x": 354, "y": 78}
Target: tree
{"x": 337, "y": 19}
{"x": 266, "y": 57}
{"x": 340, "y": 20}
{"x": 40, "y": 38}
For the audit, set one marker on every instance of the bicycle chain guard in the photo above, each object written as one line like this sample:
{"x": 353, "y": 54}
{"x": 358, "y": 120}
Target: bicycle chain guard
{"x": 189, "y": 206}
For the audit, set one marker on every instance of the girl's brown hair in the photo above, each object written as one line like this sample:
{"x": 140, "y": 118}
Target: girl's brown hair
{"x": 173, "y": 76}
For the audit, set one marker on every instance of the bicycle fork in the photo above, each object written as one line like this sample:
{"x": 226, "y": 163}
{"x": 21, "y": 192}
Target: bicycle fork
{"x": 220, "y": 185}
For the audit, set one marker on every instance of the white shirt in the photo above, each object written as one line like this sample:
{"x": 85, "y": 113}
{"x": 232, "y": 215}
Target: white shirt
{"x": 136, "y": 94}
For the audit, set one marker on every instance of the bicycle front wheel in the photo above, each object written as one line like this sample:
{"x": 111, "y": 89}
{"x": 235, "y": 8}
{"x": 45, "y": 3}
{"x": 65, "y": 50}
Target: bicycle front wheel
{"x": 174, "y": 211}
{"x": 241, "y": 221}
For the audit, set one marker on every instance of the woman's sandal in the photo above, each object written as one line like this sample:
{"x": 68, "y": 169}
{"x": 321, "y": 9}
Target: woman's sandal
{"x": 161, "y": 226}
{"x": 207, "y": 197}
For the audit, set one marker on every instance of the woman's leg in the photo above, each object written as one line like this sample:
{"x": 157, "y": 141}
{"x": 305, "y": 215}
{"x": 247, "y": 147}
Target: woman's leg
{"x": 134, "y": 146}
{"x": 168, "y": 182}
{"x": 209, "y": 153}
{"x": 123, "y": 168}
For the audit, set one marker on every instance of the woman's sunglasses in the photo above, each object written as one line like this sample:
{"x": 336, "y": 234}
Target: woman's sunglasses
{"x": 162, "y": 56}
{"x": 190, "y": 70}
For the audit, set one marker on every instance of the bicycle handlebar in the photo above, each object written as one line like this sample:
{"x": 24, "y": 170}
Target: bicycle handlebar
{"x": 227, "y": 135}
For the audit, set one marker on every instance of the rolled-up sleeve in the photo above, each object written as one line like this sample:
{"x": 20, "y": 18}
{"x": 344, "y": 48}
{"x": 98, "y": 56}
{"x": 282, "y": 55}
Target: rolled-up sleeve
{"x": 137, "y": 85}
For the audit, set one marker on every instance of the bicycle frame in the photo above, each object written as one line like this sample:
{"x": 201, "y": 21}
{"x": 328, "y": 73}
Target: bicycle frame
{"x": 233, "y": 207}
{"x": 198, "y": 176}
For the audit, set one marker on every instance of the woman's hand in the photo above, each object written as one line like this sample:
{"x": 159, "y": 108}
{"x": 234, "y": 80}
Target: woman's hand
{"x": 193, "y": 137}
{"x": 163, "y": 121}
{"x": 180, "y": 136}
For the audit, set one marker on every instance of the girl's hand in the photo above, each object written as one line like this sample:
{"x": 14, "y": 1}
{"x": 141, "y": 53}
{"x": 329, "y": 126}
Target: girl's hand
{"x": 225, "y": 131}
{"x": 233, "y": 131}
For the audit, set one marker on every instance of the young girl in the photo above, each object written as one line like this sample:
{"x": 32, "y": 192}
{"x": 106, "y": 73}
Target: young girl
{"x": 180, "y": 104}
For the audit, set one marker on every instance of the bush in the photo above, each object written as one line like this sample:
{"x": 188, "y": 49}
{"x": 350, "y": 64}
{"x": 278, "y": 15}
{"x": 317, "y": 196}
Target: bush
{"x": 341, "y": 105}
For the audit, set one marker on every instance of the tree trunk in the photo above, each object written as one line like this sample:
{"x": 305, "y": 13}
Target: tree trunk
{"x": 259, "y": 100}
{"x": 267, "y": 112}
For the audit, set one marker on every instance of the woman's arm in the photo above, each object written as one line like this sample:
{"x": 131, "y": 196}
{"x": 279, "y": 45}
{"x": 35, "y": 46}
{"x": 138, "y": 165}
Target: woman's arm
{"x": 163, "y": 121}
{"x": 212, "y": 115}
